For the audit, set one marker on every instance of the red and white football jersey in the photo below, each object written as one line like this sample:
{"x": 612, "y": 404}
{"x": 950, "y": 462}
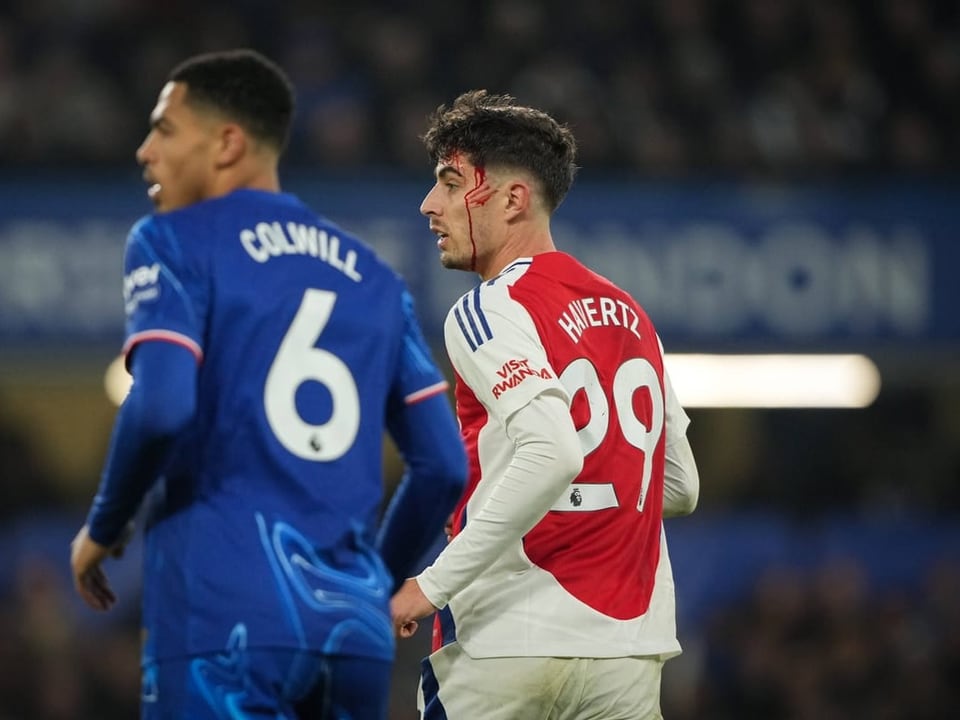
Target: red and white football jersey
{"x": 592, "y": 578}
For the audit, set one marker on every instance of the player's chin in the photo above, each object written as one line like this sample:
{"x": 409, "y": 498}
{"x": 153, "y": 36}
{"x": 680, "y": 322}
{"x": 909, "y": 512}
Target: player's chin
{"x": 451, "y": 261}
{"x": 157, "y": 202}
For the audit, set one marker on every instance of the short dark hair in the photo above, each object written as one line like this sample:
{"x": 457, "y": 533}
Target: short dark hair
{"x": 493, "y": 130}
{"x": 245, "y": 87}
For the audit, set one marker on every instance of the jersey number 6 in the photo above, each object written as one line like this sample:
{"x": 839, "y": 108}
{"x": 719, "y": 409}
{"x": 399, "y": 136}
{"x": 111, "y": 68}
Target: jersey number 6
{"x": 298, "y": 361}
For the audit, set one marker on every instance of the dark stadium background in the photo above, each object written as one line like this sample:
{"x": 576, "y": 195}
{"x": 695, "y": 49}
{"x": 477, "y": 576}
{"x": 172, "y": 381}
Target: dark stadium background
{"x": 815, "y": 140}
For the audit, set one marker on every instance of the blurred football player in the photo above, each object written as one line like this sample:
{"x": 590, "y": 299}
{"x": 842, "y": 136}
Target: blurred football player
{"x": 269, "y": 350}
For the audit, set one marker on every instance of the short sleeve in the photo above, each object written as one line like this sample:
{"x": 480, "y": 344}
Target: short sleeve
{"x": 417, "y": 376}
{"x": 163, "y": 299}
{"x": 495, "y": 348}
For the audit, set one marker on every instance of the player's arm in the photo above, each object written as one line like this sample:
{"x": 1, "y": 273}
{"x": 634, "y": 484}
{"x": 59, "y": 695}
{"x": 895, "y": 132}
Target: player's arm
{"x": 162, "y": 348}
{"x": 482, "y": 334}
{"x": 485, "y": 331}
{"x": 681, "y": 479}
{"x": 164, "y": 305}
{"x": 428, "y": 439}
{"x": 425, "y": 431}
{"x": 546, "y": 459}
{"x": 160, "y": 404}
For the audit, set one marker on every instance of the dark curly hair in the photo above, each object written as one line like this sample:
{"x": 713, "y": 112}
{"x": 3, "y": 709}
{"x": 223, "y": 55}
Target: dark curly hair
{"x": 245, "y": 87}
{"x": 496, "y": 132}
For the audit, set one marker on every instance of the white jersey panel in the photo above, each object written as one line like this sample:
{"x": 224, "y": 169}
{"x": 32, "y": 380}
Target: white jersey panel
{"x": 494, "y": 346}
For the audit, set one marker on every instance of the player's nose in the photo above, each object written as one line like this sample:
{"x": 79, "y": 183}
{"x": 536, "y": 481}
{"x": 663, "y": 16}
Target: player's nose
{"x": 430, "y": 206}
{"x": 144, "y": 153}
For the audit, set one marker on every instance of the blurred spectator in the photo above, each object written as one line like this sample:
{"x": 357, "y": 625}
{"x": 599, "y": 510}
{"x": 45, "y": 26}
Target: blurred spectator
{"x": 24, "y": 484}
{"x": 823, "y": 645}
{"x": 53, "y": 668}
{"x": 770, "y": 89}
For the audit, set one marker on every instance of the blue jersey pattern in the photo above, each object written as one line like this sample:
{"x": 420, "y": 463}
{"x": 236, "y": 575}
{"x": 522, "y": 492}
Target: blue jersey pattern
{"x": 268, "y": 507}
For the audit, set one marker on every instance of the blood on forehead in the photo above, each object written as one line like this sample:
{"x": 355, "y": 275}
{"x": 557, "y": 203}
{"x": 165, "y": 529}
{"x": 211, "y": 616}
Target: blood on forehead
{"x": 457, "y": 160}
{"x": 481, "y": 191}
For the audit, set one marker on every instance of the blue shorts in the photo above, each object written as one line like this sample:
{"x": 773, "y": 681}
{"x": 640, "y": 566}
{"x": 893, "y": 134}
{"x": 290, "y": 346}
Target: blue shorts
{"x": 261, "y": 683}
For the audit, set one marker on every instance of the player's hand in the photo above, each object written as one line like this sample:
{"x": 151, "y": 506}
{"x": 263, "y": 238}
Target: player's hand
{"x": 89, "y": 579}
{"x": 408, "y": 606}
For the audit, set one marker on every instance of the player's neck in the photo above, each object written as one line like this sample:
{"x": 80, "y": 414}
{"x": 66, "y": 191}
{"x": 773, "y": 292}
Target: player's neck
{"x": 251, "y": 178}
{"x": 527, "y": 241}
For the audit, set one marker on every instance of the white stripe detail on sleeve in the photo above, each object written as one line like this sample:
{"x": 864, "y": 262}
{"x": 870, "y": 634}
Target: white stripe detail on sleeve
{"x": 426, "y": 392}
{"x": 166, "y": 335}
{"x": 472, "y": 320}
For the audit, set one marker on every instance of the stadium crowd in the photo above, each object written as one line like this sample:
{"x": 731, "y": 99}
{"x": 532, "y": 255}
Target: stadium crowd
{"x": 826, "y": 645}
{"x": 665, "y": 88}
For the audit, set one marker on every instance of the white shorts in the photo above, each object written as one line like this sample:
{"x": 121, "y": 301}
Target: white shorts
{"x": 454, "y": 686}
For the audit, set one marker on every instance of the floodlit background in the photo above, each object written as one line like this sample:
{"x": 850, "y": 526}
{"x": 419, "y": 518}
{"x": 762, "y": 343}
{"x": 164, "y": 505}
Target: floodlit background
{"x": 771, "y": 178}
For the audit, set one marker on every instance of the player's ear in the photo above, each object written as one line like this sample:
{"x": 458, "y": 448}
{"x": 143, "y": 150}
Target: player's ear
{"x": 517, "y": 198}
{"x": 233, "y": 144}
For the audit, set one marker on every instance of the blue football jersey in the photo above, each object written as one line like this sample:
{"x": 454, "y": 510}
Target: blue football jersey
{"x": 262, "y": 527}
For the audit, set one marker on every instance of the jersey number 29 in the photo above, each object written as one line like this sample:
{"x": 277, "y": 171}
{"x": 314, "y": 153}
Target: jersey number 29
{"x": 630, "y": 377}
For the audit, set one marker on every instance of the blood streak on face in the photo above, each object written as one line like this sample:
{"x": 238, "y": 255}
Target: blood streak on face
{"x": 474, "y": 198}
